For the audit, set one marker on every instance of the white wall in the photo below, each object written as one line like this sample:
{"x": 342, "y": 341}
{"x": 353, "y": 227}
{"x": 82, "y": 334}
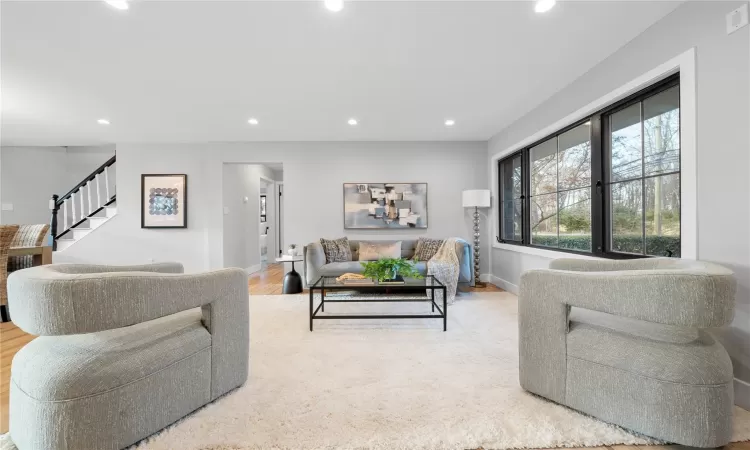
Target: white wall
{"x": 723, "y": 115}
{"x": 241, "y": 225}
{"x": 31, "y": 175}
{"x": 313, "y": 203}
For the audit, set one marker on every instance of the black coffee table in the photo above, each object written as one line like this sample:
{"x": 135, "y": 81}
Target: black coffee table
{"x": 328, "y": 290}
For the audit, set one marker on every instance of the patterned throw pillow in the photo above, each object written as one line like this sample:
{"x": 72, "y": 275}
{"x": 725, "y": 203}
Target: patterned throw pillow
{"x": 426, "y": 248}
{"x": 336, "y": 250}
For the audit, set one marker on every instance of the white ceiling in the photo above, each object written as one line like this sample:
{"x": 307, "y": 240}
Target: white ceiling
{"x": 195, "y": 71}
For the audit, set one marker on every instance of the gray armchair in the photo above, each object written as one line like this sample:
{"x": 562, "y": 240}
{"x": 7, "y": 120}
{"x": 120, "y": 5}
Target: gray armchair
{"x": 123, "y": 351}
{"x": 624, "y": 341}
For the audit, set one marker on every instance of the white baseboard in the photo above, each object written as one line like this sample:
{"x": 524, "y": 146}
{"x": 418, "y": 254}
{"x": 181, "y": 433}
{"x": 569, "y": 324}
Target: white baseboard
{"x": 742, "y": 393}
{"x": 255, "y": 268}
{"x": 502, "y": 284}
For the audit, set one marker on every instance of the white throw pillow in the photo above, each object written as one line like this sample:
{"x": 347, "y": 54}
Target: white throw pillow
{"x": 373, "y": 251}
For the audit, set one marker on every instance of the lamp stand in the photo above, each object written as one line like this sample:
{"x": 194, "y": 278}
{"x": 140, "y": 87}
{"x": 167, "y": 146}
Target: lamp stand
{"x": 477, "y": 270}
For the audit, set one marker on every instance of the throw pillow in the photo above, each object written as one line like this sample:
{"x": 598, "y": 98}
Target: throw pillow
{"x": 336, "y": 250}
{"x": 426, "y": 248}
{"x": 373, "y": 251}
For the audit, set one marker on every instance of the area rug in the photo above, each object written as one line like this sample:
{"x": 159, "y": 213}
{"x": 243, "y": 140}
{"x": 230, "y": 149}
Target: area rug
{"x": 388, "y": 384}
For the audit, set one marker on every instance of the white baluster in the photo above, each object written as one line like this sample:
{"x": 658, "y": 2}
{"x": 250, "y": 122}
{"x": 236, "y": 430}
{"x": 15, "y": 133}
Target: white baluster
{"x": 73, "y": 207}
{"x": 83, "y": 209}
{"x": 98, "y": 192}
{"x": 106, "y": 181}
{"x": 65, "y": 215}
{"x": 88, "y": 189}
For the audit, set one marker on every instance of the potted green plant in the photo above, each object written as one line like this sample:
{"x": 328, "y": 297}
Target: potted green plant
{"x": 390, "y": 269}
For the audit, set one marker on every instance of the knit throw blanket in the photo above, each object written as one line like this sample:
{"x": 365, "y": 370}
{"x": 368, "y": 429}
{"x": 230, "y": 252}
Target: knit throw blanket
{"x": 445, "y": 267}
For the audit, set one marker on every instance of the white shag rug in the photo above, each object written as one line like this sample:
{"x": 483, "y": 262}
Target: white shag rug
{"x": 388, "y": 384}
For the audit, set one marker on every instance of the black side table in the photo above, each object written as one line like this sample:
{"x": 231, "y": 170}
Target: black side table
{"x": 292, "y": 280}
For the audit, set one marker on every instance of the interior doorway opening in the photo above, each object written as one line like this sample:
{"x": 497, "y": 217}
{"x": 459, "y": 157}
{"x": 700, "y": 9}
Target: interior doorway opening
{"x": 251, "y": 214}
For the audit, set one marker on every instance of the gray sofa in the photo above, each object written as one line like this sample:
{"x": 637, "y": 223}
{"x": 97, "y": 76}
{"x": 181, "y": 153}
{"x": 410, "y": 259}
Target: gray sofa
{"x": 625, "y": 341}
{"x": 123, "y": 351}
{"x": 315, "y": 261}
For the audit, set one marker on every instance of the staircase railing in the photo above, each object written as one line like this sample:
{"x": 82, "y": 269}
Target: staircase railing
{"x": 83, "y": 201}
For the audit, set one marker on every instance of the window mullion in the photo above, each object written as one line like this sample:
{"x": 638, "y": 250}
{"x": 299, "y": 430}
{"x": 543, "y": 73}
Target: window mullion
{"x": 526, "y": 183}
{"x": 557, "y": 187}
{"x": 597, "y": 186}
{"x": 643, "y": 180}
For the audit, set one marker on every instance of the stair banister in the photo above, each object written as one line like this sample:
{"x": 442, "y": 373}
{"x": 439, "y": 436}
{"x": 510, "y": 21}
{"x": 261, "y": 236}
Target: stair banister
{"x": 53, "y": 223}
{"x": 57, "y": 202}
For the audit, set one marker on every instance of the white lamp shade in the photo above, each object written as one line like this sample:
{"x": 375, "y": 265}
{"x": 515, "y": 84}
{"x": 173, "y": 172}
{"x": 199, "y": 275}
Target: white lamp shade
{"x": 479, "y": 198}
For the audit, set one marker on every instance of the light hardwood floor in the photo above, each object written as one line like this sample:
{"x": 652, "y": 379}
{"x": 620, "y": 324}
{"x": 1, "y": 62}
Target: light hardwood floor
{"x": 265, "y": 282}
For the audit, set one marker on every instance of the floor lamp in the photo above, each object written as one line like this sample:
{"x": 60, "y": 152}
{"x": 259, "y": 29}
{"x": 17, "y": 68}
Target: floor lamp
{"x": 479, "y": 198}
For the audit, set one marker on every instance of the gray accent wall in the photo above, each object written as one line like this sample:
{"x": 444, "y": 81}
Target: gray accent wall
{"x": 723, "y": 144}
{"x": 314, "y": 174}
{"x": 31, "y": 175}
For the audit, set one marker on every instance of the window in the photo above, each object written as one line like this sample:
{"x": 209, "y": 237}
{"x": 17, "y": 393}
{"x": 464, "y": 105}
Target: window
{"x": 511, "y": 199}
{"x": 643, "y": 176}
{"x": 608, "y": 185}
{"x": 561, "y": 190}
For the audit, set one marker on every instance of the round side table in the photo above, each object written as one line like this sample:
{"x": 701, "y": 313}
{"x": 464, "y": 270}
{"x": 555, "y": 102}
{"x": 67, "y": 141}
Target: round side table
{"x": 292, "y": 280}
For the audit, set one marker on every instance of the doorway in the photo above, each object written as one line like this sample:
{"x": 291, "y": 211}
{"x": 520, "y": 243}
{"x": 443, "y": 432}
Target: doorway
{"x": 249, "y": 196}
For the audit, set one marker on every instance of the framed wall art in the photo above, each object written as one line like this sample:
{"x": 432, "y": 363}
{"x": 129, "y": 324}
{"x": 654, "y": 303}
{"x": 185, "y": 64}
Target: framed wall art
{"x": 163, "y": 201}
{"x": 385, "y": 205}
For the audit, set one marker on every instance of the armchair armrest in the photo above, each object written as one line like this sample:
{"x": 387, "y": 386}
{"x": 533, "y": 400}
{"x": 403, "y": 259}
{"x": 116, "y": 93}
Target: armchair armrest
{"x": 71, "y": 299}
{"x": 686, "y": 297}
{"x": 164, "y": 267}
{"x": 604, "y": 265}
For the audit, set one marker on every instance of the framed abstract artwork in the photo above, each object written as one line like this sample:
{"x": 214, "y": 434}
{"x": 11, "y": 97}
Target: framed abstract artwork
{"x": 385, "y": 205}
{"x": 163, "y": 201}
{"x": 263, "y": 208}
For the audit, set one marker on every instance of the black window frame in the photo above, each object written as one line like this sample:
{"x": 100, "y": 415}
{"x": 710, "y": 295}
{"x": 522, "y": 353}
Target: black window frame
{"x": 524, "y": 194}
{"x": 600, "y": 213}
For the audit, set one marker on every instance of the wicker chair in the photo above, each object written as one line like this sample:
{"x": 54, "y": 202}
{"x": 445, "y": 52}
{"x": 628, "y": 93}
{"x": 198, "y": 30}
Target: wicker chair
{"x": 27, "y": 236}
{"x": 7, "y": 233}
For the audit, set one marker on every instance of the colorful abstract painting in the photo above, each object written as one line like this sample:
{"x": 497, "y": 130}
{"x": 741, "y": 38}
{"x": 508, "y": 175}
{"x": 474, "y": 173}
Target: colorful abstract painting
{"x": 385, "y": 205}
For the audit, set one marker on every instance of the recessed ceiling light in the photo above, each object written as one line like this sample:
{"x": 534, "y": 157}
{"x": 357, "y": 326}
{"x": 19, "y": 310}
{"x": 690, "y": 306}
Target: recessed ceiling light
{"x": 352, "y": 122}
{"x": 450, "y": 122}
{"x": 103, "y": 122}
{"x": 253, "y": 121}
{"x": 118, "y": 4}
{"x": 334, "y": 5}
{"x": 544, "y": 5}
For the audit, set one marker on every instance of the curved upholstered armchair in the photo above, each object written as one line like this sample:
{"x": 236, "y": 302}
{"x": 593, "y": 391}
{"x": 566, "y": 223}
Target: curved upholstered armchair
{"x": 123, "y": 351}
{"x": 623, "y": 341}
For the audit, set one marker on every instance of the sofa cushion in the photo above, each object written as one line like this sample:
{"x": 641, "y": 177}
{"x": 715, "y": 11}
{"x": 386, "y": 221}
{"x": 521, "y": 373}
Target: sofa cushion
{"x": 336, "y": 250}
{"x": 606, "y": 341}
{"x": 373, "y": 251}
{"x": 49, "y": 367}
{"x": 339, "y": 268}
